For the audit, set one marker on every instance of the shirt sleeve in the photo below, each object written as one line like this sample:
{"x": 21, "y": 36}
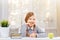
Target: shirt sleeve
{"x": 41, "y": 32}
{"x": 22, "y": 31}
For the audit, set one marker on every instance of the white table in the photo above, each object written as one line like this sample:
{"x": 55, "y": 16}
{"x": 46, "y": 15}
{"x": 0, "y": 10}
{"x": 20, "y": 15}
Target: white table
{"x": 55, "y": 38}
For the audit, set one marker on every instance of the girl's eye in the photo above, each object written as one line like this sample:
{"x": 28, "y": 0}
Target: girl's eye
{"x": 30, "y": 18}
{"x": 33, "y": 19}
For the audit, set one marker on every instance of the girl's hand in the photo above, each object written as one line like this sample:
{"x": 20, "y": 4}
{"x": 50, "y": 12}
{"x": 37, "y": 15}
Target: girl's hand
{"x": 33, "y": 35}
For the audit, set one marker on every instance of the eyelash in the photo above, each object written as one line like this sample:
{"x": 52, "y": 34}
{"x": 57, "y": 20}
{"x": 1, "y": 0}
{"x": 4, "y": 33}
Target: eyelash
{"x": 33, "y": 19}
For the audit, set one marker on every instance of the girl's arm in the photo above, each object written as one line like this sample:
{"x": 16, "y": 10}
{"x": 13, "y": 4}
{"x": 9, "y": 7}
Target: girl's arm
{"x": 41, "y": 32}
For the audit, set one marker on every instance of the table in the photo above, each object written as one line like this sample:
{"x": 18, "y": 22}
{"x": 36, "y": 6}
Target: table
{"x": 55, "y": 38}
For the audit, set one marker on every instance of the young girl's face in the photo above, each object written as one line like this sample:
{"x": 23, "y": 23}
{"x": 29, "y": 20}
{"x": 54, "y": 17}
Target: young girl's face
{"x": 31, "y": 20}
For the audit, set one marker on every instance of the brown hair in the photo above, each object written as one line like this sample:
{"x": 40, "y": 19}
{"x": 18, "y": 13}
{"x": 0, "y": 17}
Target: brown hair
{"x": 29, "y": 14}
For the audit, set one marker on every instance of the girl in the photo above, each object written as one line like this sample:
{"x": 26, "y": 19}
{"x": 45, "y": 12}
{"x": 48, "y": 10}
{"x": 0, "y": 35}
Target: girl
{"x": 29, "y": 29}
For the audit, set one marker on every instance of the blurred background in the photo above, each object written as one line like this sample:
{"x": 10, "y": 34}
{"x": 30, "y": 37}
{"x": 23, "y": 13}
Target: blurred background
{"x": 47, "y": 13}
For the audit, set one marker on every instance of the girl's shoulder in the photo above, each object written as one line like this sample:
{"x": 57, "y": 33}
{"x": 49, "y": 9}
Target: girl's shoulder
{"x": 40, "y": 28}
{"x": 24, "y": 25}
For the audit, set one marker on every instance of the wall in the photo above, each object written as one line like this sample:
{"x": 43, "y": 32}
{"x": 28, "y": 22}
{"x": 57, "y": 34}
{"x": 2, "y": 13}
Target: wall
{"x": 3, "y": 9}
{"x": 58, "y": 17}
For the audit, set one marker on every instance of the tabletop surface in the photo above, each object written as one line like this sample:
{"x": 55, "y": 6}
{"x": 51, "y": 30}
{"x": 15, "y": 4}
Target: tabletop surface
{"x": 26, "y": 38}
